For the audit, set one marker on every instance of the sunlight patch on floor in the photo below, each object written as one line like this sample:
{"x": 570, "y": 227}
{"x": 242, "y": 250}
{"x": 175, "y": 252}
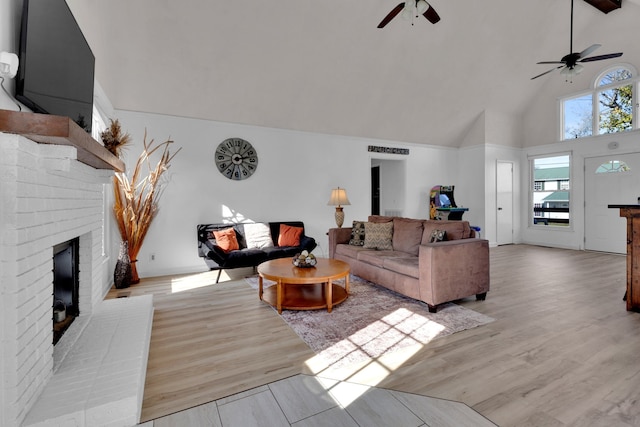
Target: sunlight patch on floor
{"x": 387, "y": 344}
{"x": 194, "y": 281}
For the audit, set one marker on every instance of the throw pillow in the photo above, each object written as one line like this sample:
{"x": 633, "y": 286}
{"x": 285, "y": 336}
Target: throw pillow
{"x": 258, "y": 235}
{"x": 378, "y": 235}
{"x": 226, "y": 239}
{"x": 437, "y": 236}
{"x": 357, "y": 234}
{"x": 407, "y": 235}
{"x": 289, "y": 236}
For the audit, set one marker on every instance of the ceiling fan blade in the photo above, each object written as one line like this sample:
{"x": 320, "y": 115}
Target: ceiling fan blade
{"x": 551, "y": 62}
{"x": 588, "y": 50}
{"x": 547, "y": 72}
{"x": 396, "y": 10}
{"x": 601, "y": 57}
{"x": 431, "y": 15}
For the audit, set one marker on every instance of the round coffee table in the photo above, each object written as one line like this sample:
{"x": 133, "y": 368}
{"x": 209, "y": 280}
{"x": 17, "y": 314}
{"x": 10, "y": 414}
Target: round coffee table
{"x": 304, "y": 288}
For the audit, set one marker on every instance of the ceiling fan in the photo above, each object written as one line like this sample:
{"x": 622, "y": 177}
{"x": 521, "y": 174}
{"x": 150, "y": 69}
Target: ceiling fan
{"x": 570, "y": 63}
{"x": 412, "y": 8}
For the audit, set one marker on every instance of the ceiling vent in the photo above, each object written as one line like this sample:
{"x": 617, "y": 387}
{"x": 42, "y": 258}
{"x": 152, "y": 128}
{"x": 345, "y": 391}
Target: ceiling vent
{"x": 605, "y": 6}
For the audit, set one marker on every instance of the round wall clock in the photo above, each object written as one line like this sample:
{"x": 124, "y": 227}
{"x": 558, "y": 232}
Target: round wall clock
{"x": 236, "y": 159}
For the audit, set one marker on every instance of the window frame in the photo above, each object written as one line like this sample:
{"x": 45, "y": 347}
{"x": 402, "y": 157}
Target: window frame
{"x": 594, "y": 92}
{"x": 542, "y": 225}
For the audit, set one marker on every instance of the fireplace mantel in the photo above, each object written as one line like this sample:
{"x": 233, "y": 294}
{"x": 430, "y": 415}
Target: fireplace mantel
{"x": 59, "y": 130}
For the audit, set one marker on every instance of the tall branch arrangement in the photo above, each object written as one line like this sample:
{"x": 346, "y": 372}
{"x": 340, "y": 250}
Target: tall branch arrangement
{"x": 136, "y": 198}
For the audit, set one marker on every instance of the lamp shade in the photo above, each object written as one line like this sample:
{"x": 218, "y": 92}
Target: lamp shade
{"x": 338, "y": 197}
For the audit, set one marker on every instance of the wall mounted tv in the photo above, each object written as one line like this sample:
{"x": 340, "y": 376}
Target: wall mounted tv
{"x": 56, "y": 69}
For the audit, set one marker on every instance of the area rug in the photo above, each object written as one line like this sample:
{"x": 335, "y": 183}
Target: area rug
{"x": 374, "y": 322}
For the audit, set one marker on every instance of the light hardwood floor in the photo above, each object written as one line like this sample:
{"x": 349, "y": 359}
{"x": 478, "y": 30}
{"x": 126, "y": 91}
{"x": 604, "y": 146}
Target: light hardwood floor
{"x": 563, "y": 351}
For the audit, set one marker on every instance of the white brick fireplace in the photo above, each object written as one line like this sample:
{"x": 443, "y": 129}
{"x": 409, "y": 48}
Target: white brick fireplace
{"x": 47, "y": 197}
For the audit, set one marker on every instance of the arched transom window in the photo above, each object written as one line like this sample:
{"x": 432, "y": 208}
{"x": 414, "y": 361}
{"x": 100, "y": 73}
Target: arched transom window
{"x": 613, "y": 166}
{"x": 608, "y": 108}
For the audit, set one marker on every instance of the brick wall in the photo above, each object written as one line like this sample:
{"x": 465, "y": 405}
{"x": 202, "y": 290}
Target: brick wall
{"x": 47, "y": 197}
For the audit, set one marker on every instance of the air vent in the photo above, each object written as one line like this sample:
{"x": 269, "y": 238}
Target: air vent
{"x": 605, "y": 6}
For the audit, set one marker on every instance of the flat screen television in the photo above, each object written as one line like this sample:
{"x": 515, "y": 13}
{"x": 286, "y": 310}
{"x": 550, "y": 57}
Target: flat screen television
{"x": 56, "y": 70}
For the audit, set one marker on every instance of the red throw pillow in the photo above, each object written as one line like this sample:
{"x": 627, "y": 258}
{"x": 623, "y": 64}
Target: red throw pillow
{"x": 226, "y": 239}
{"x": 289, "y": 236}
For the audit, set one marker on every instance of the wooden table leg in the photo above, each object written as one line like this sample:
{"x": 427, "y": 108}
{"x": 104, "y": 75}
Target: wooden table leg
{"x": 279, "y": 296}
{"x": 346, "y": 283}
{"x": 329, "y": 294}
{"x": 260, "y": 289}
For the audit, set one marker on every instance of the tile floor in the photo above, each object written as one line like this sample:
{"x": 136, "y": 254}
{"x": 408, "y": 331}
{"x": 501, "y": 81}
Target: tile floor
{"x": 307, "y": 401}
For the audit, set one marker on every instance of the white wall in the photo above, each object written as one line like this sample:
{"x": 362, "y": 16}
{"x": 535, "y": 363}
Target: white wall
{"x": 295, "y": 175}
{"x": 493, "y": 137}
{"x": 470, "y": 190}
{"x": 392, "y": 186}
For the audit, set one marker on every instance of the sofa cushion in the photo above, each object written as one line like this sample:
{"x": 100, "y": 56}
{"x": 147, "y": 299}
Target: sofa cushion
{"x": 258, "y": 235}
{"x": 455, "y": 229}
{"x": 378, "y": 258}
{"x": 357, "y": 234}
{"x": 289, "y": 235}
{"x": 214, "y": 252}
{"x": 407, "y": 235}
{"x": 244, "y": 258}
{"x": 350, "y": 251}
{"x": 378, "y": 219}
{"x": 276, "y": 252}
{"x": 409, "y": 266}
{"x": 226, "y": 239}
{"x": 378, "y": 235}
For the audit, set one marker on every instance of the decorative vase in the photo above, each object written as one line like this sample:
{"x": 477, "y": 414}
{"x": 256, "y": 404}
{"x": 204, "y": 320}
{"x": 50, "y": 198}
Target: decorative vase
{"x": 122, "y": 276}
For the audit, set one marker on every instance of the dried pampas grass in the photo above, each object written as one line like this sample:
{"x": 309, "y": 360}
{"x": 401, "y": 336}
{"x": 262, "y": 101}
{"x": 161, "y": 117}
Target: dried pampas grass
{"x": 136, "y": 199}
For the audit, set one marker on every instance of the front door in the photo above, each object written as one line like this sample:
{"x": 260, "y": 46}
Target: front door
{"x": 609, "y": 180}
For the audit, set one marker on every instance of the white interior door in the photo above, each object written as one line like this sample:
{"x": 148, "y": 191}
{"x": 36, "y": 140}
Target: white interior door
{"x": 504, "y": 203}
{"x": 605, "y": 230}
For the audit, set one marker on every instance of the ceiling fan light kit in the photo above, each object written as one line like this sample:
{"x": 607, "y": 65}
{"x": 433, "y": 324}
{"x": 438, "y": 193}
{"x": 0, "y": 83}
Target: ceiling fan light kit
{"x": 577, "y": 69}
{"x": 605, "y": 6}
{"x": 570, "y": 62}
{"x": 410, "y": 9}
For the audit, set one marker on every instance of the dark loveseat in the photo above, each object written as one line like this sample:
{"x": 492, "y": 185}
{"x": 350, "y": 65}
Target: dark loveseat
{"x": 253, "y": 249}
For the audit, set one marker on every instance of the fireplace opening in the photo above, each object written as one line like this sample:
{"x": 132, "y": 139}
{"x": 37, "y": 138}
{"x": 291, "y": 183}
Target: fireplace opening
{"x": 65, "y": 286}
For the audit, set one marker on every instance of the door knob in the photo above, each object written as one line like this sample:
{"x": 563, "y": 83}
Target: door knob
{"x": 499, "y": 209}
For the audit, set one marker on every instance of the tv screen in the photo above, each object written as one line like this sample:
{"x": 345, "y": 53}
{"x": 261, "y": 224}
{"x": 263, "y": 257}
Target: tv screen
{"x": 56, "y": 68}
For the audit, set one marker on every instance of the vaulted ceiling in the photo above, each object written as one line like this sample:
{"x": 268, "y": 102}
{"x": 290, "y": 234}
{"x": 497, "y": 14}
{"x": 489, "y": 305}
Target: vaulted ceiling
{"x": 324, "y": 67}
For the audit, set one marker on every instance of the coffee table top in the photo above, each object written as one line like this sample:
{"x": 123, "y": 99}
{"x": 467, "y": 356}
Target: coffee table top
{"x": 283, "y": 269}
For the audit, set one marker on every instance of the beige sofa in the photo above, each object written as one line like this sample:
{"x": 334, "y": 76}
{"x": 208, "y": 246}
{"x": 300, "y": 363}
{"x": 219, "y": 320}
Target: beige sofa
{"x": 435, "y": 273}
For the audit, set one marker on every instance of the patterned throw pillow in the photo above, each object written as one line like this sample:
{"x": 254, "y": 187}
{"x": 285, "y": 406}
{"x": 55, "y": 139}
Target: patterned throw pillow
{"x": 378, "y": 236}
{"x": 437, "y": 236}
{"x": 357, "y": 234}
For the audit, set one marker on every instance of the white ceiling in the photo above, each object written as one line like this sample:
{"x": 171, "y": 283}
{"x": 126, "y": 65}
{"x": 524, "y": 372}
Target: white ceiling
{"x": 324, "y": 67}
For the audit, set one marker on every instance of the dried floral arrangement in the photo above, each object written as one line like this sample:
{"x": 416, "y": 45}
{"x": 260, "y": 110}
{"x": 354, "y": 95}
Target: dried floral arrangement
{"x": 136, "y": 198}
{"x": 113, "y": 138}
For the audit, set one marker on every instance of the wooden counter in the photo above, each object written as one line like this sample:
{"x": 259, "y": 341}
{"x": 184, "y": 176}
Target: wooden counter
{"x": 59, "y": 130}
{"x": 632, "y": 213}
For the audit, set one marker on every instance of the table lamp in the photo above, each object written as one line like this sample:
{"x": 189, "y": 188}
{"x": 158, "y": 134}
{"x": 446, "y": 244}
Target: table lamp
{"x": 339, "y": 198}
